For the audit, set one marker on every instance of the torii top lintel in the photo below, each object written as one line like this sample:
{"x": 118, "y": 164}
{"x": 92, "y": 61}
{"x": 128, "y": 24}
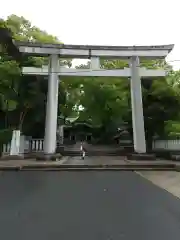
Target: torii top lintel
{"x": 87, "y": 51}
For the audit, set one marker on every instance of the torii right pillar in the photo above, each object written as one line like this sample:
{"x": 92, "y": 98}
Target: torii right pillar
{"x": 137, "y": 107}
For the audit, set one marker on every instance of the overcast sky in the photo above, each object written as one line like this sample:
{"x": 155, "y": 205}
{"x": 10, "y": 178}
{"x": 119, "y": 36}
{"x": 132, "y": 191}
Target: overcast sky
{"x": 103, "y": 22}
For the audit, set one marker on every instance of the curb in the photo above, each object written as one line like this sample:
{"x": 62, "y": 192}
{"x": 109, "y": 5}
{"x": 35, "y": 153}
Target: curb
{"x": 98, "y": 169}
{"x": 125, "y": 167}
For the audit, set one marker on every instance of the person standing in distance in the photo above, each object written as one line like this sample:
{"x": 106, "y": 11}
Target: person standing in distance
{"x": 83, "y": 151}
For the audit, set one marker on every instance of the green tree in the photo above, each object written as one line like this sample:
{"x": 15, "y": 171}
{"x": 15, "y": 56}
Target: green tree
{"x": 23, "y": 98}
{"x": 107, "y": 101}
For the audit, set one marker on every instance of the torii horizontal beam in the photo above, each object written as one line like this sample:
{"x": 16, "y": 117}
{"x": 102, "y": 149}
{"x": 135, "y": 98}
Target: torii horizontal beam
{"x": 85, "y": 51}
{"x": 126, "y": 72}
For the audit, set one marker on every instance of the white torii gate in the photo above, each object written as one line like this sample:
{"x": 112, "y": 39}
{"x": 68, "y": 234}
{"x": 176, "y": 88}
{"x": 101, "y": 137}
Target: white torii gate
{"x": 94, "y": 53}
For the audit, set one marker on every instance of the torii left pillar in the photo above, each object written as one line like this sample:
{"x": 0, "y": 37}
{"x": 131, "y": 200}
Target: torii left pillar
{"x": 51, "y": 107}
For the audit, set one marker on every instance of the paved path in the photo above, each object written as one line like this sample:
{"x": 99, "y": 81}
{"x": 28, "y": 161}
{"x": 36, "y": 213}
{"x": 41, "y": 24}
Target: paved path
{"x": 68, "y": 160}
{"x": 85, "y": 206}
{"x": 95, "y": 160}
{"x": 92, "y": 160}
{"x": 168, "y": 180}
{"x": 31, "y": 162}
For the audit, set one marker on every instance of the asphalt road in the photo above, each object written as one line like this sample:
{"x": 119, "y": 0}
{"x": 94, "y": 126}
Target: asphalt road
{"x": 85, "y": 206}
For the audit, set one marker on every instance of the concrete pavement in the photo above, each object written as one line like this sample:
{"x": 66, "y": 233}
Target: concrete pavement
{"x": 30, "y": 162}
{"x": 168, "y": 180}
{"x": 95, "y": 160}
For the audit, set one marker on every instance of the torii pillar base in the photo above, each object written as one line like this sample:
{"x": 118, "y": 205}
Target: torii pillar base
{"x": 48, "y": 157}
